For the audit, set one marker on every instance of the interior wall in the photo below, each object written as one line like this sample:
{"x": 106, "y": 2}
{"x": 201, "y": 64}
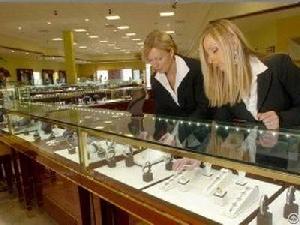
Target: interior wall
{"x": 88, "y": 70}
{"x": 12, "y": 63}
{"x": 286, "y": 29}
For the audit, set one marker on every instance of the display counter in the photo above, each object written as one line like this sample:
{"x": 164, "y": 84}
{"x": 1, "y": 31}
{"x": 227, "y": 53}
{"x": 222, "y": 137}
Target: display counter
{"x": 128, "y": 161}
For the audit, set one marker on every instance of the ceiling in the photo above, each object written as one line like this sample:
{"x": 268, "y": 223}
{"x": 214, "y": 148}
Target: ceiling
{"x": 36, "y": 34}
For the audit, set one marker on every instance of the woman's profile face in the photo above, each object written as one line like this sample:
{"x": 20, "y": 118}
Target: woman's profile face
{"x": 160, "y": 60}
{"x": 215, "y": 55}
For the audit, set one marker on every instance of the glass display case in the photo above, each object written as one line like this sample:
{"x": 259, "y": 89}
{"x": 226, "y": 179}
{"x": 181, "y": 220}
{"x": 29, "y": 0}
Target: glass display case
{"x": 92, "y": 95}
{"x": 201, "y": 170}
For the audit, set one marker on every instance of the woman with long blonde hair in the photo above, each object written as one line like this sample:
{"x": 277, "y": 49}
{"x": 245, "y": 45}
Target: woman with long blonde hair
{"x": 242, "y": 85}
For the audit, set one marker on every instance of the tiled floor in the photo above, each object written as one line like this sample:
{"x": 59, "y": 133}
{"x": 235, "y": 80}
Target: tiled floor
{"x": 13, "y": 213}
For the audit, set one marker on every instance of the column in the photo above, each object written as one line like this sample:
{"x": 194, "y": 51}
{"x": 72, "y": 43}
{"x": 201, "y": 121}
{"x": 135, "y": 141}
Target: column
{"x": 69, "y": 57}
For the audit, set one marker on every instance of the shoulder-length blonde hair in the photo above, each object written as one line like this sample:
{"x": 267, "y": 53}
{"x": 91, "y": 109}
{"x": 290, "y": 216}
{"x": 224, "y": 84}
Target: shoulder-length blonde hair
{"x": 234, "y": 83}
{"x": 160, "y": 40}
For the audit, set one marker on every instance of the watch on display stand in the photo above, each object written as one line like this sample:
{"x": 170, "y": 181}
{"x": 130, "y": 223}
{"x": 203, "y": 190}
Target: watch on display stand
{"x": 147, "y": 173}
{"x": 110, "y": 155}
{"x": 264, "y": 217}
{"x": 290, "y": 206}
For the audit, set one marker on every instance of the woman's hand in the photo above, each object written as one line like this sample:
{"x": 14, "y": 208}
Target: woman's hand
{"x": 270, "y": 119}
{"x": 183, "y": 163}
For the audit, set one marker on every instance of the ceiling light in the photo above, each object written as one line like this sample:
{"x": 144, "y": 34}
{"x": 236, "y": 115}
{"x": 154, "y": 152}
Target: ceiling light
{"x": 165, "y": 14}
{"x": 127, "y": 52}
{"x": 82, "y": 47}
{"x": 74, "y": 43}
{"x": 130, "y": 34}
{"x": 111, "y": 44}
{"x": 170, "y": 31}
{"x": 87, "y": 33}
{"x": 56, "y": 39}
{"x": 113, "y": 17}
{"x": 27, "y": 53}
{"x": 49, "y": 23}
{"x": 140, "y": 43}
{"x": 19, "y": 28}
{"x": 86, "y": 20}
{"x": 12, "y": 51}
{"x": 115, "y": 30}
{"x": 123, "y": 27}
{"x": 105, "y": 53}
{"x": 103, "y": 41}
{"x": 117, "y": 48}
{"x": 94, "y": 36}
{"x": 136, "y": 39}
{"x": 125, "y": 37}
{"x": 80, "y": 30}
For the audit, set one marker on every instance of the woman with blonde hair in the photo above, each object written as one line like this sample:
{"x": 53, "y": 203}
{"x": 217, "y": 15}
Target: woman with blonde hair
{"x": 242, "y": 85}
{"x": 176, "y": 80}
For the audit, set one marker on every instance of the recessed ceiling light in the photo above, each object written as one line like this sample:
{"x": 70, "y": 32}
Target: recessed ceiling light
{"x": 12, "y": 51}
{"x": 165, "y": 14}
{"x": 49, "y": 23}
{"x": 123, "y": 27}
{"x": 140, "y": 43}
{"x": 56, "y": 39}
{"x": 80, "y": 30}
{"x": 82, "y": 47}
{"x": 127, "y": 52}
{"x": 19, "y": 28}
{"x": 86, "y": 20}
{"x": 130, "y": 34}
{"x": 103, "y": 41}
{"x": 115, "y": 30}
{"x": 113, "y": 17}
{"x": 87, "y": 33}
{"x": 94, "y": 36}
{"x": 136, "y": 39}
{"x": 111, "y": 44}
{"x": 74, "y": 43}
{"x": 170, "y": 31}
{"x": 27, "y": 53}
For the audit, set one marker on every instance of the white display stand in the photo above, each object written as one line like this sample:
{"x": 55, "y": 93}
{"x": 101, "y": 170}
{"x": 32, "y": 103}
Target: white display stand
{"x": 196, "y": 199}
{"x": 276, "y": 208}
{"x": 133, "y": 176}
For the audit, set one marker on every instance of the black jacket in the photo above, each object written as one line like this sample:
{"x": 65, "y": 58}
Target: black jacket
{"x": 278, "y": 89}
{"x": 191, "y": 97}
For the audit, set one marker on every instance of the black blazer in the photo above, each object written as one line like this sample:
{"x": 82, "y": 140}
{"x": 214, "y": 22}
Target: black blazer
{"x": 278, "y": 89}
{"x": 191, "y": 96}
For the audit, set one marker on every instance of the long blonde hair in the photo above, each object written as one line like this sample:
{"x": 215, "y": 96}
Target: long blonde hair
{"x": 234, "y": 83}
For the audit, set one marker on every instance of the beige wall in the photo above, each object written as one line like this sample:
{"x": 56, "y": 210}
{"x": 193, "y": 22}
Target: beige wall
{"x": 87, "y": 70}
{"x": 12, "y": 63}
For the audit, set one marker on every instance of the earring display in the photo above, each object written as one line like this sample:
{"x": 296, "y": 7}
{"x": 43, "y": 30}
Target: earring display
{"x": 220, "y": 181}
{"x": 244, "y": 198}
{"x": 180, "y": 180}
{"x": 241, "y": 178}
{"x": 207, "y": 169}
{"x": 216, "y": 197}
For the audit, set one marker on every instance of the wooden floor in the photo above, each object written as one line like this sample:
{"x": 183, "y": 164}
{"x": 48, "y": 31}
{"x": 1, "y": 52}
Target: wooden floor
{"x": 13, "y": 213}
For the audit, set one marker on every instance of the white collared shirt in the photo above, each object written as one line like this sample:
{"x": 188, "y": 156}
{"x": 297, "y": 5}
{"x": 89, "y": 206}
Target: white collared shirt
{"x": 182, "y": 70}
{"x": 257, "y": 67}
